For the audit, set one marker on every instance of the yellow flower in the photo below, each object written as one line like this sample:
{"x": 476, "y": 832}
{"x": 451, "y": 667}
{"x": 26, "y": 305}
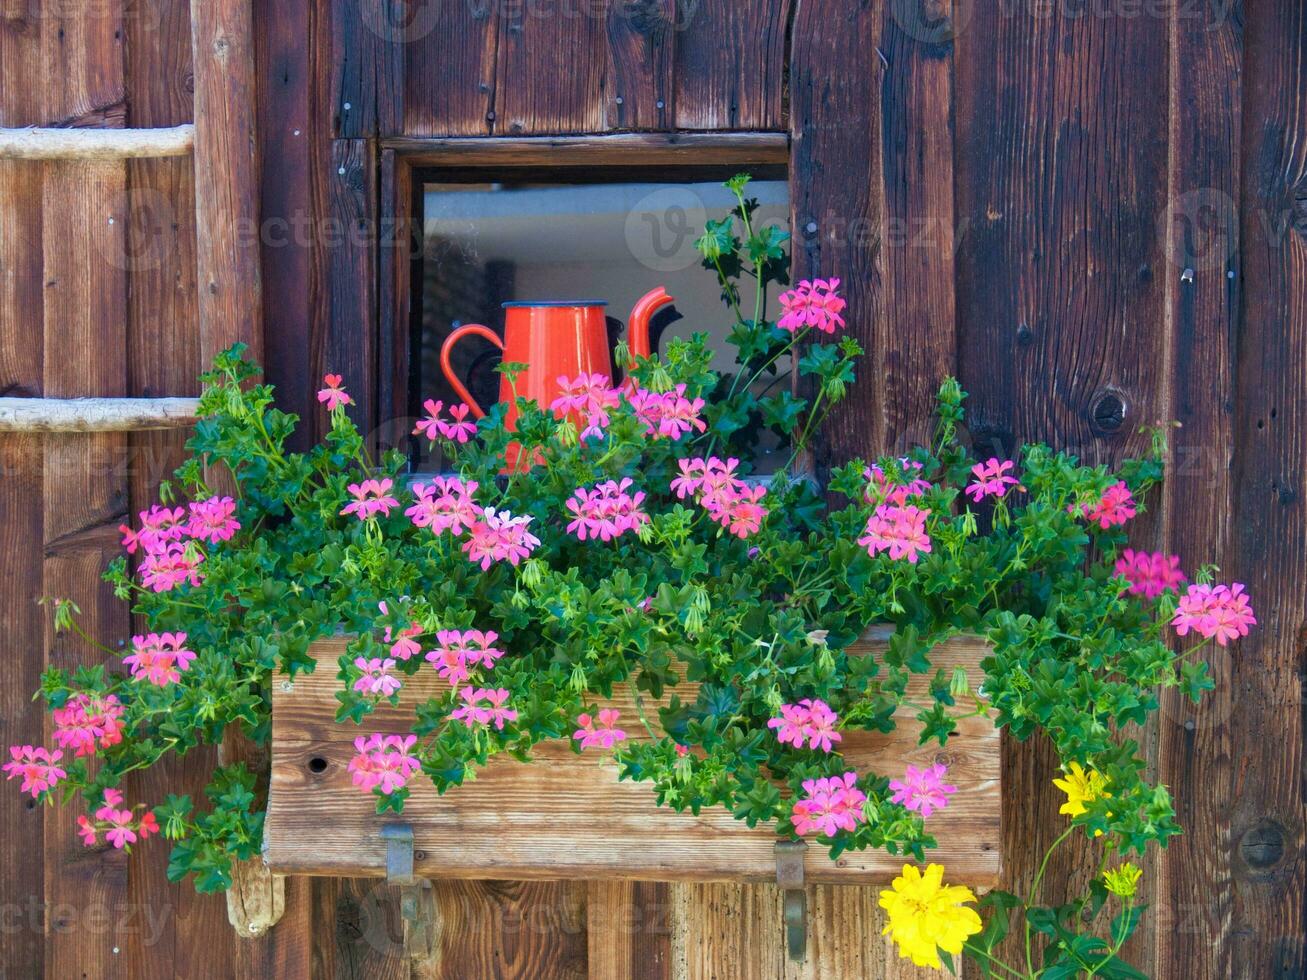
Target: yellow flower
{"x": 1123, "y": 881}
{"x": 926, "y": 915}
{"x": 1081, "y": 787}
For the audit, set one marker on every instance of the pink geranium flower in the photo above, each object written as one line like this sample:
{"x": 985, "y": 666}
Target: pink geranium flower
{"x": 604, "y": 733}
{"x": 160, "y": 526}
{"x": 446, "y": 504}
{"x": 730, "y": 501}
{"x": 588, "y": 399}
{"x": 88, "y": 722}
{"x": 377, "y": 677}
{"x": 170, "y": 567}
{"x": 1150, "y": 573}
{"x": 607, "y": 511}
{"x": 158, "y": 658}
{"x": 434, "y": 427}
{"x": 461, "y": 650}
{"x": 213, "y": 520}
{"x": 899, "y": 530}
{"x": 812, "y": 303}
{"x": 811, "y": 721}
{"x": 121, "y": 826}
{"x": 829, "y": 806}
{"x": 36, "y": 766}
{"x": 333, "y": 395}
{"x": 922, "y": 790}
{"x": 371, "y": 497}
{"x": 484, "y": 707}
{"x": 895, "y": 488}
{"x": 1214, "y": 611}
{"x": 992, "y": 479}
{"x": 669, "y": 414}
{"x": 1116, "y": 506}
{"x": 383, "y": 762}
{"x": 499, "y": 536}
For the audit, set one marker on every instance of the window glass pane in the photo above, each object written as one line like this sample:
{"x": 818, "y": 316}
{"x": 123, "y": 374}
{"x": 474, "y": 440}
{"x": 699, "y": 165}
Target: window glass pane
{"x": 490, "y": 243}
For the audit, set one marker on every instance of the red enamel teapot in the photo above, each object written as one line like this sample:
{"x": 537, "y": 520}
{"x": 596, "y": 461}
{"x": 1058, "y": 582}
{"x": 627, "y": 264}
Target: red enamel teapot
{"x": 554, "y": 339}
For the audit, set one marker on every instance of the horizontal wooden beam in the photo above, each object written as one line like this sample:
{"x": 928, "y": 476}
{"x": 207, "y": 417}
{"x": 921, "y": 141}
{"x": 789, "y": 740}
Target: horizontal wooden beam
{"x": 95, "y": 144}
{"x": 619, "y": 149}
{"x": 96, "y": 414}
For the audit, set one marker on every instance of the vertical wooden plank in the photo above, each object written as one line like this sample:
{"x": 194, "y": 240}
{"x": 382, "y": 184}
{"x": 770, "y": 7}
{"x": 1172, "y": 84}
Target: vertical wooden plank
{"x": 509, "y": 930}
{"x": 158, "y": 63}
{"x": 82, "y": 63}
{"x": 1266, "y": 936}
{"x": 836, "y": 194}
{"x": 629, "y": 930}
{"x": 641, "y": 45}
{"x": 21, "y": 104}
{"x": 550, "y": 74}
{"x": 85, "y": 497}
{"x": 1191, "y": 890}
{"x": 730, "y": 60}
{"x": 399, "y": 242}
{"x": 449, "y": 88}
{"x": 22, "y": 721}
{"x": 348, "y": 344}
{"x": 226, "y": 174}
{"x": 1061, "y": 316}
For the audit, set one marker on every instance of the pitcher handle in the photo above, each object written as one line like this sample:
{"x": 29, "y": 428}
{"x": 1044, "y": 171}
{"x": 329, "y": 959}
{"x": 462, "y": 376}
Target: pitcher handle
{"x": 448, "y": 369}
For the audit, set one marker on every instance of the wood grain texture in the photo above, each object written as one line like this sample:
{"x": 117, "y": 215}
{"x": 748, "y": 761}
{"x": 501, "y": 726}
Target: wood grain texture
{"x": 1190, "y": 893}
{"x": 226, "y": 174}
{"x": 84, "y": 498}
{"x": 1267, "y": 815}
{"x": 550, "y": 69}
{"x": 613, "y": 150}
{"x": 570, "y": 816}
{"x": 730, "y": 63}
{"x": 96, "y": 414}
{"x": 450, "y": 87}
{"x": 639, "y": 81}
{"x": 96, "y": 144}
{"x": 1060, "y": 300}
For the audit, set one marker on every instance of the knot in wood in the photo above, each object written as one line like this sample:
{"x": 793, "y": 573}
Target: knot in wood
{"x": 1262, "y": 846}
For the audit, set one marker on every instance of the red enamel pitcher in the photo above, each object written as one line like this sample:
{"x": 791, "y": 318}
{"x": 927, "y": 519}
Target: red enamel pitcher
{"x": 554, "y": 339}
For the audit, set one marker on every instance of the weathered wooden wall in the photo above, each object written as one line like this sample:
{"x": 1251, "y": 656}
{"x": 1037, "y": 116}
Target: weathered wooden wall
{"x": 1095, "y": 213}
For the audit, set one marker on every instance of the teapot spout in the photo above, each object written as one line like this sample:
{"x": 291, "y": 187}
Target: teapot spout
{"x": 638, "y": 335}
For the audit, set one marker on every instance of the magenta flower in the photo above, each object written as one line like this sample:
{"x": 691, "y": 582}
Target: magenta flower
{"x": 499, "y": 536}
{"x": 606, "y": 512}
{"x": 1150, "y": 573}
{"x": 811, "y": 721}
{"x": 922, "y": 790}
{"x": 604, "y": 733}
{"x": 383, "y": 762}
{"x": 812, "y": 303}
{"x": 992, "y": 479}
{"x": 36, "y": 766}
{"x": 460, "y": 650}
{"x": 87, "y": 830}
{"x": 899, "y": 530}
{"x": 730, "y": 501}
{"x": 445, "y": 505}
{"x": 160, "y": 526}
{"x": 213, "y": 520}
{"x": 434, "y": 427}
{"x": 121, "y": 826}
{"x": 175, "y": 565}
{"x": 588, "y": 399}
{"x": 1115, "y": 508}
{"x": 1214, "y": 611}
{"x": 377, "y": 677}
{"x": 474, "y": 713}
{"x": 895, "y": 488}
{"x": 371, "y": 497}
{"x": 158, "y": 658}
{"x": 831, "y": 805}
{"x": 669, "y": 414}
{"x": 88, "y": 722}
{"x": 333, "y": 395}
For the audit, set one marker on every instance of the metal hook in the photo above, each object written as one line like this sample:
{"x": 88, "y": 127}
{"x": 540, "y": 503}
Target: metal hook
{"x": 789, "y": 876}
{"x": 416, "y": 902}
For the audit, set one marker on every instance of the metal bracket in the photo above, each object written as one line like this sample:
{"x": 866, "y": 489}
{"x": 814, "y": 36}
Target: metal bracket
{"x": 417, "y": 904}
{"x": 789, "y": 876}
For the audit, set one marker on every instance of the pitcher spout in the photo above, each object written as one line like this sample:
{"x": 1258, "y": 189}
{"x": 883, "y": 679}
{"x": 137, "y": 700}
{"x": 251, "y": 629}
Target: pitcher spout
{"x": 638, "y": 335}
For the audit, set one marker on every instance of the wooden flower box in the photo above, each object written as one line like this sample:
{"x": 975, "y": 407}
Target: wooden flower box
{"x": 568, "y": 816}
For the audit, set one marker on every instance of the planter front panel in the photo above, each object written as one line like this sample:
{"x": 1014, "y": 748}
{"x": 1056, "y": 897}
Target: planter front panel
{"x": 568, "y": 816}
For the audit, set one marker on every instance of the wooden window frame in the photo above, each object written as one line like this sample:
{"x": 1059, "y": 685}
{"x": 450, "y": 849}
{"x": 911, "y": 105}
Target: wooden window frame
{"x": 407, "y": 162}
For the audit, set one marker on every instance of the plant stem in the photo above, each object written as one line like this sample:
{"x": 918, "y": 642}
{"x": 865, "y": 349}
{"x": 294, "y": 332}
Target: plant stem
{"x": 1034, "y": 889}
